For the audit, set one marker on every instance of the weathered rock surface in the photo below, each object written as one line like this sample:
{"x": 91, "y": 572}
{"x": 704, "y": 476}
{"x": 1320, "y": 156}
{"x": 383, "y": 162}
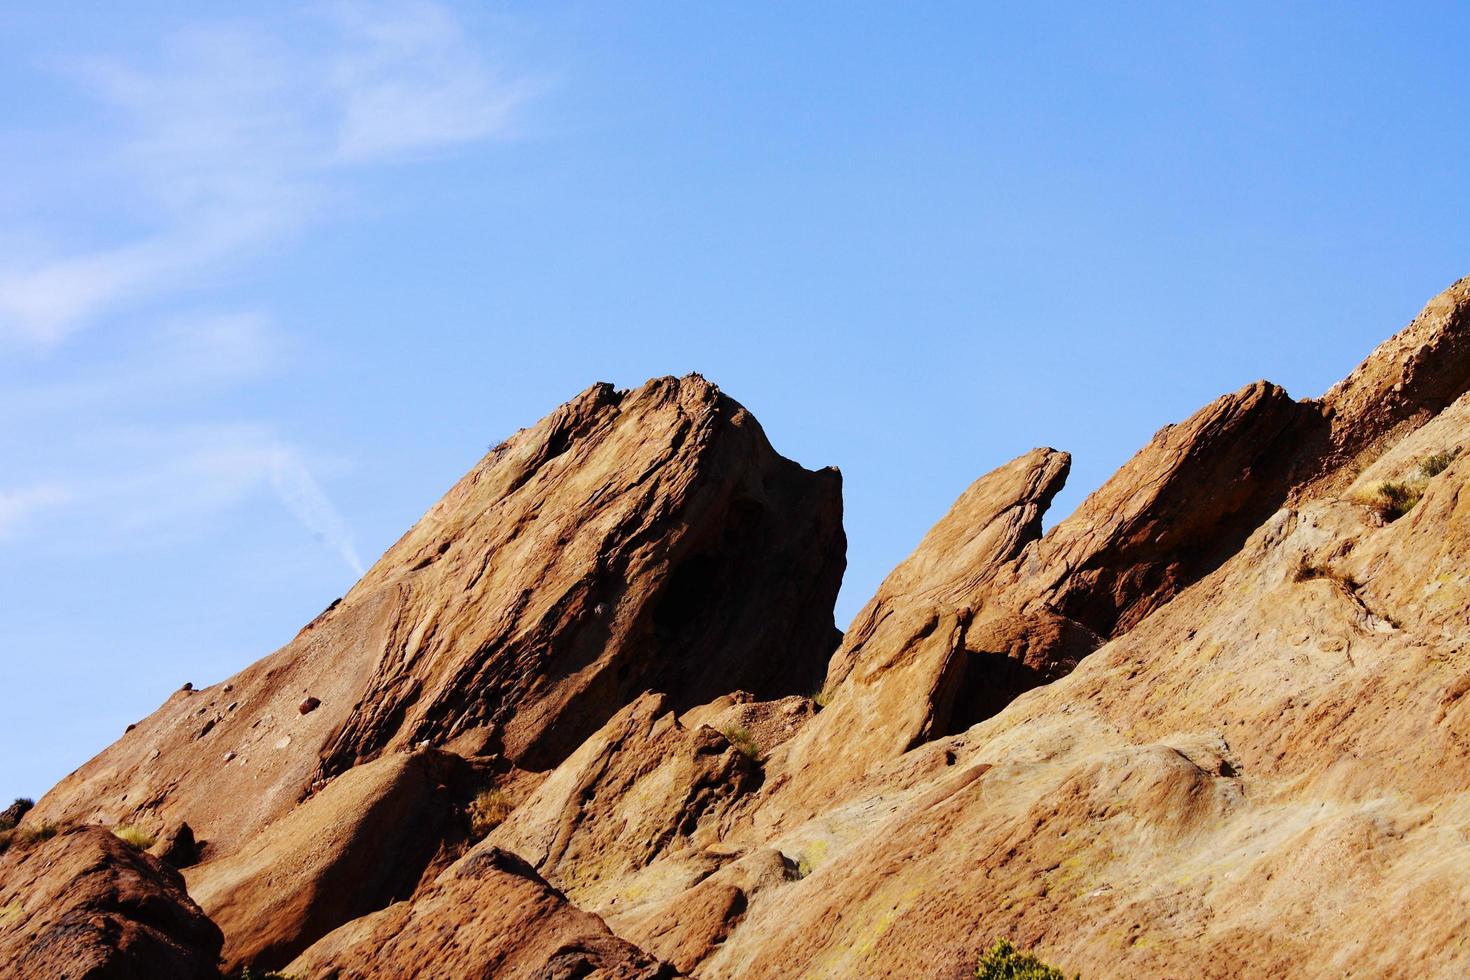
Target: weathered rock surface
{"x": 582, "y": 562}
{"x": 84, "y": 904}
{"x": 1176, "y": 510}
{"x": 1406, "y": 381}
{"x": 987, "y": 607}
{"x": 491, "y": 916}
{"x": 642, "y": 788}
{"x": 895, "y": 681}
{"x": 12, "y": 814}
{"x": 1263, "y": 777}
{"x": 1213, "y": 724}
{"x": 177, "y": 847}
{"x": 361, "y": 843}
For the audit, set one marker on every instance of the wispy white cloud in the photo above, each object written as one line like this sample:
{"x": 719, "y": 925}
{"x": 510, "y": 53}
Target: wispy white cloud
{"x": 224, "y": 142}
{"x": 237, "y": 137}
{"x": 409, "y": 82}
{"x": 149, "y": 484}
{"x": 183, "y": 357}
{"x": 299, "y": 492}
{"x": 19, "y": 504}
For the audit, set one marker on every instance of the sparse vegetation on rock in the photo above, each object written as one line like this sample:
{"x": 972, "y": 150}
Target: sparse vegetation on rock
{"x": 1394, "y": 498}
{"x": 1004, "y": 961}
{"x": 742, "y": 741}
{"x": 488, "y": 810}
{"x": 1397, "y": 499}
{"x": 136, "y": 836}
{"x": 1436, "y": 463}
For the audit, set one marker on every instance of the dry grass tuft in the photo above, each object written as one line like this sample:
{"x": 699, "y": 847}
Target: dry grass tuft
{"x": 488, "y": 811}
{"x": 742, "y": 741}
{"x": 134, "y": 835}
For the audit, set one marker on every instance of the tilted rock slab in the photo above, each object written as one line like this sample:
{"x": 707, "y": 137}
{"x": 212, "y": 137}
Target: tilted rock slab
{"x": 360, "y": 844}
{"x": 491, "y": 917}
{"x": 631, "y": 541}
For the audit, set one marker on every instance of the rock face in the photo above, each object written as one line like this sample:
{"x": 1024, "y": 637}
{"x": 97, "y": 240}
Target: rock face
{"x": 84, "y": 904}
{"x": 355, "y": 847}
{"x": 1213, "y": 724}
{"x": 490, "y": 917}
{"x": 643, "y": 787}
{"x": 582, "y": 562}
{"x": 1409, "y": 379}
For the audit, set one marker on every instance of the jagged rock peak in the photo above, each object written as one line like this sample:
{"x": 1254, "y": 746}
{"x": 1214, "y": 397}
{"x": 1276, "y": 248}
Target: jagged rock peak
{"x": 642, "y": 540}
{"x": 1179, "y": 507}
{"x": 988, "y": 526}
{"x": 1407, "y": 379}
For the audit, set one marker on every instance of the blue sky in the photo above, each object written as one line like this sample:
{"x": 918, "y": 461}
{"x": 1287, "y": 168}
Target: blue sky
{"x": 271, "y": 281}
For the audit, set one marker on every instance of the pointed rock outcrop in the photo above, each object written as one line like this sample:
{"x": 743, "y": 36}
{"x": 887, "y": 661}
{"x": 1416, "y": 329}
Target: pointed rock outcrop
{"x": 641, "y": 540}
{"x": 1407, "y": 380}
{"x": 1176, "y": 510}
{"x": 895, "y": 681}
{"x": 988, "y": 608}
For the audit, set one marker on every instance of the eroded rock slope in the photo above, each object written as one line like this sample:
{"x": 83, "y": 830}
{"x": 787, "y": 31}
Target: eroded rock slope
{"x": 1213, "y": 724}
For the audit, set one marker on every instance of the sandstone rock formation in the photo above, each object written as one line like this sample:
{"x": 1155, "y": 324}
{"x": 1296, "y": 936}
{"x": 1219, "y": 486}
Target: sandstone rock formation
{"x": 641, "y": 788}
{"x": 360, "y": 844}
{"x": 84, "y": 904}
{"x": 1213, "y": 724}
{"x": 582, "y": 562}
{"x": 491, "y": 917}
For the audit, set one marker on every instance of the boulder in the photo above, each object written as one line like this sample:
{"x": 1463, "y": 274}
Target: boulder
{"x": 85, "y": 904}
{"x": 177, "y": 847}
{"x": 489, "y": 916}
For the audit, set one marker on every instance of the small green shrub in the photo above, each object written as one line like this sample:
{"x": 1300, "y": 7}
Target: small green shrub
{"x": 742, "y": 741}
{"x": 821, "y": 698}
{"x": 12, "y": 814}
{"x": 1433, "y": 465}
{"x": 248, "y": 974}
{"x": 1006, "y": 962}
{"x": 488, "y": 811}
{"x": 36, "y": 834}
{"x": 136, "y": 836}
{"x": 1306, "y": 571}
{"x": 1397, "y": 499}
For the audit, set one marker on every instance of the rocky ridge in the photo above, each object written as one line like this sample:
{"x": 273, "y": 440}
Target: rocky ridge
{"x": 1211, "y": 724}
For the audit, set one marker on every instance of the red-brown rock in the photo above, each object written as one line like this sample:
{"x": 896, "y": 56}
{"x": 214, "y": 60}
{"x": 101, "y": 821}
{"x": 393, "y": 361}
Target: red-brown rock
{"x": 490, "y": 916}
{"x": 84, "y": 904}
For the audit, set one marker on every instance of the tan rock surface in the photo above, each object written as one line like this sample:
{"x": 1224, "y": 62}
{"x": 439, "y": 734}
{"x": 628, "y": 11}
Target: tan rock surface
{"x": 491, "y": 917}
{"x": 642, "y": 788}
{"x": 1265, "y": 777}
{"x": 84, "y": 904}
{"x": 361, "y": 843}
